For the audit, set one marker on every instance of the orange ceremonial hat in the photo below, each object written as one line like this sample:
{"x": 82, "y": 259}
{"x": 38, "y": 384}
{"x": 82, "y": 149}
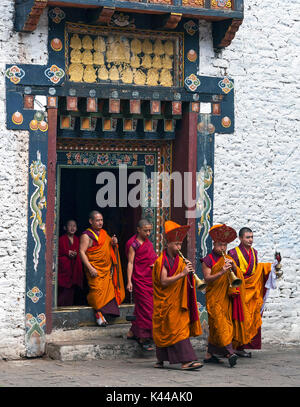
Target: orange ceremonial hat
{"x": 222, "y": 233}
{"x": 175, "y": 232}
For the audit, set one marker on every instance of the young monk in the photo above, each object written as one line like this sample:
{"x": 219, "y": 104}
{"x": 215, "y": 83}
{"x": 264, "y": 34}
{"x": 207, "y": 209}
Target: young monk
{"x": 228, "y": 317}
{"x": 70, "y": 273}
{"x": 255, "y": 275}
{"x": 141, "y": 257}
{"x": 175, "y": 313}
{"x": 100, "y": 256}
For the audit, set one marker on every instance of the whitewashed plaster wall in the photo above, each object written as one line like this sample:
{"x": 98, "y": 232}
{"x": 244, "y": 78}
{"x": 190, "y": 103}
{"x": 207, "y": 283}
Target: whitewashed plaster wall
{"x": 29, "y": 49}
{"x": 257, "y": 169}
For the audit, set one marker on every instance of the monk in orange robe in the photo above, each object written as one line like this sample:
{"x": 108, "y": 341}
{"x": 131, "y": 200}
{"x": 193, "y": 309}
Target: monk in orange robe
{"x": 100, "y": 256}
{"x": 228, "y": 317}
{"x": 255, "y": 275}
{"x": 175, "y": 313}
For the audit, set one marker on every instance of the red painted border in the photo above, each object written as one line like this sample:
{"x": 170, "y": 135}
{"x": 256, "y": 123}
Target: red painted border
{"x": 50, "y": 221}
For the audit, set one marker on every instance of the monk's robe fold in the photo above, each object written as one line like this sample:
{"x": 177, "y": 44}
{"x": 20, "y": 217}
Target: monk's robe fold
{"x": 223, "y": 328}
{"x": 145, "y": 257}
{"x": 109, "y": 282}
{"x": 255, "y": 275}
{"x": 175, "y": 314}
{"x": 254, "y": 296}
{"x": 69, "y": 268}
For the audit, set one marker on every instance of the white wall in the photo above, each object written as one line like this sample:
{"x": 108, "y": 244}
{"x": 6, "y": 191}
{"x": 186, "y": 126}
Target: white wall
{"x": 30, "y": 49}
{"x": 257, "y": 169}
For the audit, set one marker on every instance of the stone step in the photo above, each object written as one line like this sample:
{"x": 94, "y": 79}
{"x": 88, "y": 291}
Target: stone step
{"x": 78, "y": 316}
{"x": 91, "y": 343}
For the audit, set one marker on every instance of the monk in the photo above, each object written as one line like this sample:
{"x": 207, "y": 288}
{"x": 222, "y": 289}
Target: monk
{"x": 100, "y": 256}
{"x": 141, "y": 257}
{"x": 175, "y": 313}
{"x": 70, "y": 273}
{"x": 227, "y": 315}
{"x": 255, "y": 275}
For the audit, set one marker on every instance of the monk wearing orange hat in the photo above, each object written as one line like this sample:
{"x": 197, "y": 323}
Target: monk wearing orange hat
{"x": 100, "y": 256}
{"x": 228, "y": 317}
{"x": 175, "y": 313}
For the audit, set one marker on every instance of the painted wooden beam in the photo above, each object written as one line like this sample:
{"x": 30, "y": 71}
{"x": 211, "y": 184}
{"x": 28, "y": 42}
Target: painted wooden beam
{"x": 224, "y": 32}
{"x": 27, "y": 14}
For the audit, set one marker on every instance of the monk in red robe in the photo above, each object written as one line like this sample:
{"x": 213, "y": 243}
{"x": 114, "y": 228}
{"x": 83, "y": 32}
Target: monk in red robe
{"x": 228, "y": 318}
{"x": 256, "y": 275}
{"x": 70, "y": 273}
{"x": 175, "y": 313}
{"x": 141, "y": 257}
{"x": 100, "y": 256}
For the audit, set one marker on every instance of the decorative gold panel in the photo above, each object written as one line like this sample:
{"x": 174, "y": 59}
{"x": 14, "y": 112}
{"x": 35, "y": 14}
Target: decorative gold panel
{"x": 122, "y": 56}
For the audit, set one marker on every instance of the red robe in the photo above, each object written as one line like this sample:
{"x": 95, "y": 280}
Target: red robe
{"x": 70, "y": 271}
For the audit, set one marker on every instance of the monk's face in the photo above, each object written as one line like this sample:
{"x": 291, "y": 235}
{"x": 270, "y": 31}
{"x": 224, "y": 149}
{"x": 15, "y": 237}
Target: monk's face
{"x": 97, "y": 221}
{"x": 71, "y": 227}
{"x": 247, "y": 240}
{"x": 220, "y": 248}
{"x": 173, "y": 247}
{"x": 144, "y": 232}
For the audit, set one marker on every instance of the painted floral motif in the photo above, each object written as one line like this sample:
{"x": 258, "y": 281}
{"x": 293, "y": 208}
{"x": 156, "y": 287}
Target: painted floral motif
{"x": 107, "y": 159}
{"x": 149, "y": 160}
{"x": 192, "y": 82}
{"x": 226, "y": 85}
{"x": 191, "y": 27}
{"x": 221, "y": 3}
{"x": 121, "y": 20}
{"x": 15, "y": 74}
{"x": 226, "y": 122}
{"x": 54, "y": 74}
{"x": 57, "y": 15}
{"x": 34, "y": 294}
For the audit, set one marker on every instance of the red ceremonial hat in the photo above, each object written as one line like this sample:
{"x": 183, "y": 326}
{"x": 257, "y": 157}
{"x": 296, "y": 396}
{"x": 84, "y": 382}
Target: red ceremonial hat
{"x": 222, "y": 233}
{"x": 175, "y": 232}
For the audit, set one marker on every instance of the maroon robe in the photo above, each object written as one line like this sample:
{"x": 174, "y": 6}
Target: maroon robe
{"x": 145, "y": 256}
{"x": 70, "y": 273}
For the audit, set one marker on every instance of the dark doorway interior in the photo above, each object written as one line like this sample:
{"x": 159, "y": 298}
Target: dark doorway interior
{"x": 78, "y": 190}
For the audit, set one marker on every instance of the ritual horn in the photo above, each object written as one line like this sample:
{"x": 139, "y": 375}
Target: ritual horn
{"x": 234, "y": 281}
{"x": 200, "y": 284}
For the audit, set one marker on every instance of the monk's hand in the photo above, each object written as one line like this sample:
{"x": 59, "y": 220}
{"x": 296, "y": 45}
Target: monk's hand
{"x": 226, "y": 267}
{"x": 114, "y": 240}
{"x": 129, "y": 286}
{"x": 93, "y": 272}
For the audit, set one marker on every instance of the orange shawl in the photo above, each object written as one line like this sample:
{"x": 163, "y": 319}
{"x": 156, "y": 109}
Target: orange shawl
{"x": 109, "y": 282}
{"x": 171, "y": 318}
{"x": 223, "y": 329}
{"x": 254, "y": 296}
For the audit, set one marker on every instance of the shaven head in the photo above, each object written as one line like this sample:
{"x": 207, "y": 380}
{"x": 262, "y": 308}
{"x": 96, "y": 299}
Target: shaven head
{"x": 144, "y": 228}
{"x": 96, "y": 220}
{"x": 244, "y": 230}
{"x": 246, "y": 237}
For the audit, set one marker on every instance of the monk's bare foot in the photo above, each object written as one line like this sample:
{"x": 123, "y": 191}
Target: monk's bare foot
{"x": 159, "y": 365}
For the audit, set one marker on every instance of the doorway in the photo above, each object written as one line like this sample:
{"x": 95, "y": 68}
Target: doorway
{"x": 77, "y": 198}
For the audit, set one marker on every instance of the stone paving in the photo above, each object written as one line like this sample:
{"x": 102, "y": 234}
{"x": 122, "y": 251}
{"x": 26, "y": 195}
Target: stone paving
{"x": 273, "y": 366}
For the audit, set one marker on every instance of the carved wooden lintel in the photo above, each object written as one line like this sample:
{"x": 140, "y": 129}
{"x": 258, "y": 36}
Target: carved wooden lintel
{"x": 28, "y": 14}
{"x": 172, "y": 21}
{"x": 224, "y": 32}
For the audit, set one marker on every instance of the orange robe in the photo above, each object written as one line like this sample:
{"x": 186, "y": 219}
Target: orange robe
{"x": 109, "y": 282}
{"x": 223, "y": 329}
{"x": 171, "y": 314}
{"x": 254, "y": 285}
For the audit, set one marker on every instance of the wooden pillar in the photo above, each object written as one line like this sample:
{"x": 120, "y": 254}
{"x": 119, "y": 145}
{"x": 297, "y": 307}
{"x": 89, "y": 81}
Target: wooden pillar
{"x": 185, "y": 160}
{"x": 50, "y": 216}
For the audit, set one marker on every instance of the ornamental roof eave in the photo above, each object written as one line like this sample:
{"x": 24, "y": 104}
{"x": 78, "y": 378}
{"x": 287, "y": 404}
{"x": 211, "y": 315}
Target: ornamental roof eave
{"x": 225, "y": 21}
